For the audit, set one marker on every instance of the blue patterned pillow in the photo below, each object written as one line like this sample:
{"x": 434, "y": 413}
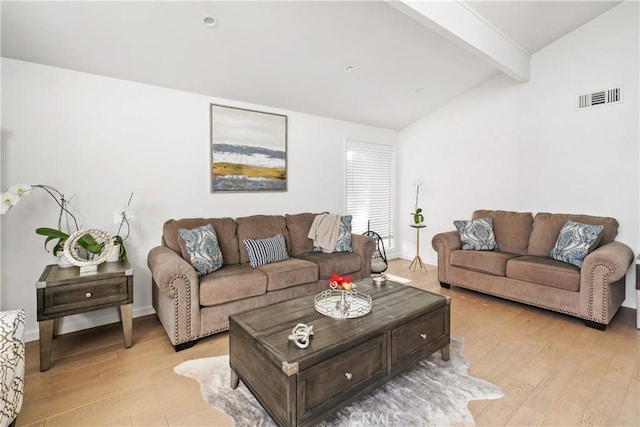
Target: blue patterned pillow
{"x": 201, "y": 245}
{"x": 267, "y": 250}
{"x": 477, "y": 235}
{"x": 575, "y": 241}
{"x": 344, "y": 234}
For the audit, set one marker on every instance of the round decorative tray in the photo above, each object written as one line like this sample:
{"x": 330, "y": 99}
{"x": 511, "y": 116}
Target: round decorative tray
{"x": 342, "y": 304}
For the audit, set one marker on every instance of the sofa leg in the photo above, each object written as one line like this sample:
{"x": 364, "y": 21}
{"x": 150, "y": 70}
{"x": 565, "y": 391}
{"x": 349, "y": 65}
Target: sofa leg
{"x": 185, "y": 345}
{"x": 445, "y": 285}
{"x": 595, "y": 325}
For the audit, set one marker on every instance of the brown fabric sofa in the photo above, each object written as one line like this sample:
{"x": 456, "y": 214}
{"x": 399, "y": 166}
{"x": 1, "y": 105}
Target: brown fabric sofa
{"x": 191, "y": 307}
{"x": 521, "y": 270}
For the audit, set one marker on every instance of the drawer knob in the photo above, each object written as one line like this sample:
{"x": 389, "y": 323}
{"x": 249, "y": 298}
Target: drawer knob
{"x": 423, "y": 336}
{"x": 348, "y": 375}
{"x": 88, "y": 295}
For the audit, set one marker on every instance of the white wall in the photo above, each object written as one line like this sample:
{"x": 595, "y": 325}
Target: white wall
{"x": 524, "y": 147}
{"x": 102, "y": 138}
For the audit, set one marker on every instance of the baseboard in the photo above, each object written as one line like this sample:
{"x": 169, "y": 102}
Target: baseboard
{"x": 92, "y": 319}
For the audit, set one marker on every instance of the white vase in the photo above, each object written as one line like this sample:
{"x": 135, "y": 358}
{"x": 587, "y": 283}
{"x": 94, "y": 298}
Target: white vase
{"x": 114, "y": 256}
{"x": 63, "y": 261}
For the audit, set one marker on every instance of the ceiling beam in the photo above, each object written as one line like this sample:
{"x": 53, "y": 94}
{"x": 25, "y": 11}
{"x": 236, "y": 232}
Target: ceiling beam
{"x": 460, "y": 24}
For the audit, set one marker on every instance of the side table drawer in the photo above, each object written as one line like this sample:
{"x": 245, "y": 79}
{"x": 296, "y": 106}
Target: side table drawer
{"x": 415, "y": 338}
{"x": 330, "y": 382}
{"x": 78, "y": 296}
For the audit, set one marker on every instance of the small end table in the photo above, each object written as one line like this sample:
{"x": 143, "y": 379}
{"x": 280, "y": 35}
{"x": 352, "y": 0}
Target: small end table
{"x": 417, "y": 261}
{"x": 63, "y": 291}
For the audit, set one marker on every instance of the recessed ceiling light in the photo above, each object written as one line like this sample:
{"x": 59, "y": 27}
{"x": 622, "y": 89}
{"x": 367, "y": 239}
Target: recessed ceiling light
{"x": 209, "y": 21}
{"x": 349, "y": 68}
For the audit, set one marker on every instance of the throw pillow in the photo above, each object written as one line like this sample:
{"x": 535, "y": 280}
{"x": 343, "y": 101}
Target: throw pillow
{"x": 575, "y": 241}
{"x": 344, "y": 234}
{"x": 267, "y": 250}
{"x": 201, "y": 245}
{"x": 477, "y": 235}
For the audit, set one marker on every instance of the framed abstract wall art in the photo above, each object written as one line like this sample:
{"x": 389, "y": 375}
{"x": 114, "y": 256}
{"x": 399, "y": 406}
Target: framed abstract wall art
{"x": 248, "y": 150}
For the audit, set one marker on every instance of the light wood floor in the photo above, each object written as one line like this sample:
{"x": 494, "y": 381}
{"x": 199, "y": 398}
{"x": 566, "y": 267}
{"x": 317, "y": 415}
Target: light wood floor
{"x": 553, "y": 370}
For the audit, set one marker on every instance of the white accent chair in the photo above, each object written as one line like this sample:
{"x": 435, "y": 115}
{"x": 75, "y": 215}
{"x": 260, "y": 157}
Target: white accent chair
{"x": 11, "y": 365}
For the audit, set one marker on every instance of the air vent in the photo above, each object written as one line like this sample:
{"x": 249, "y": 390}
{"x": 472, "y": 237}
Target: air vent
{"x": 601, "y": 97}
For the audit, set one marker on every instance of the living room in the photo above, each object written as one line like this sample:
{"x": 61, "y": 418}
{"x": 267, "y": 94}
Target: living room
{"x": 500, "y": 144}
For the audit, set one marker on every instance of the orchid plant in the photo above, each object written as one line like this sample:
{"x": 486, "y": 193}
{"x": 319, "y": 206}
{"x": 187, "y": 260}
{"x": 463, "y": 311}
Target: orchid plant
{"x": 123, "y": 218}
{"x": 418, "y": 218}
{"x": 66, "y": 219}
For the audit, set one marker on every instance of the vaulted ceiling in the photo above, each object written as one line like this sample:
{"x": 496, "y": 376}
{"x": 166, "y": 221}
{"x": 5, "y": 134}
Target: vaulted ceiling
{"x": 379, "y": 63}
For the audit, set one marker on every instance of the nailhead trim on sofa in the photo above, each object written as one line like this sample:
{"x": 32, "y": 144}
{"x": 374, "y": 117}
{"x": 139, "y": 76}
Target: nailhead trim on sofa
{"x": 605, "y": 291}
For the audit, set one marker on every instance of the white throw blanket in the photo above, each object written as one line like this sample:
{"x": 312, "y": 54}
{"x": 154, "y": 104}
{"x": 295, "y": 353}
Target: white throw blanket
{"x": 324, "y": 232}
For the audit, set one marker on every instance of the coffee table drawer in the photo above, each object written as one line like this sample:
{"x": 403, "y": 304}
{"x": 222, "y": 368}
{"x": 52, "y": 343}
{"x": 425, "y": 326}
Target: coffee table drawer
{"x": 336, "y": 379}
{"x": 416, "y": 337}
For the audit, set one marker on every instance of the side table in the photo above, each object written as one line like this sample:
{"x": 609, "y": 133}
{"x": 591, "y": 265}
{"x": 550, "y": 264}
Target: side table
{"x": 63, "y": 291}
{"x": 417, "y": 260}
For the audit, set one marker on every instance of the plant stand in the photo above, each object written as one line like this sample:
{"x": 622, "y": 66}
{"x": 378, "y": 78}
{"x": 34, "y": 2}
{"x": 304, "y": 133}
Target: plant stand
{"x": 417, "y": 261}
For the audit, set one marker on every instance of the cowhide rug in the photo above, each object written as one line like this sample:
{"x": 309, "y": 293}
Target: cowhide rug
{"x": 434, "y": 393}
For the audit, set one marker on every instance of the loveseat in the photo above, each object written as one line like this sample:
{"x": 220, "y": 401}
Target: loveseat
{"x": 190, "y": 306}
{"x": 521, "y": 269}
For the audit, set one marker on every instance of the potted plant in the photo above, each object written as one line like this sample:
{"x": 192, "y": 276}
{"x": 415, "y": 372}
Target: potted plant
{"x": 418, "y": 218}
{"x": 66, "y": 221}
{"x": 122, "y": 217}
{"x": 12, "y": 197}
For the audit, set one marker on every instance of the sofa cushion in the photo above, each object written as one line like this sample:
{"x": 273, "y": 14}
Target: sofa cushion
{"x": 200, "y": 247}
{"x": 266, "y": 251}
{"x": 544, "y": 271}
{"x": 342, "y": 263}
{"x": 575, "y": 241}
{"x": 231, "y": 283}
{"x": 298, "y": 227}
{"x": 225, "y": 230}
{"x": 491, "y": 262}
{"x": 477, "y": 234}
{"x": 259, "y": 227}
{"x": 512, "y": 229}
{"x": 546, "y": 228}
{"x": 291, "y": 272}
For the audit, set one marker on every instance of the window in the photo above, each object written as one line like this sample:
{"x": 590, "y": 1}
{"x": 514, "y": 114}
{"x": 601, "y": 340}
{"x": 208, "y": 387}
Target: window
{"x": 370, "y": 188}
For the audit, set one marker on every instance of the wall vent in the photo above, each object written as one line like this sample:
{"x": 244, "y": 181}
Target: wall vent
{"x": 600, "y": 97}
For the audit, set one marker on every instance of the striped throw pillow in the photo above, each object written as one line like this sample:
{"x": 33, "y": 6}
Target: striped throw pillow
{"x": 267, "y": 250}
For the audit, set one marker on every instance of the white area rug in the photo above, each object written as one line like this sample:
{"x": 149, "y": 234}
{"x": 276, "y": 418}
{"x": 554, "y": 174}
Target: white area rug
{"x": 434, "y": 393}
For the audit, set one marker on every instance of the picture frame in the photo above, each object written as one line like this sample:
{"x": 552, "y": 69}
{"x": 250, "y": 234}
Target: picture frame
{"x": 248, "y": 150}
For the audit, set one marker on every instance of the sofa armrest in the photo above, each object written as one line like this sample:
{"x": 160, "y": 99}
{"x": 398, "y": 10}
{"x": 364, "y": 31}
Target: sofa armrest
{"x": 166, "y": 267}
{"x": 176, "y": 294}
{"x": 444, "y": 244}
{"x": 602, "y": 268}
{"x": 364, "y": 247}
{"x": 615, "y": 256}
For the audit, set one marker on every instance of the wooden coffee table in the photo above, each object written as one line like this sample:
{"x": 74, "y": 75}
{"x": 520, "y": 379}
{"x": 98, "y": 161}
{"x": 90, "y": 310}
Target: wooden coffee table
{"x": 346, "y": 359}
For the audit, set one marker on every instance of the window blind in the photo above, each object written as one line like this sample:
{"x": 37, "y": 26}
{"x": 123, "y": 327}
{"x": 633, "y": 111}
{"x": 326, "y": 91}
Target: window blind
{"x": 370, "y": 188}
